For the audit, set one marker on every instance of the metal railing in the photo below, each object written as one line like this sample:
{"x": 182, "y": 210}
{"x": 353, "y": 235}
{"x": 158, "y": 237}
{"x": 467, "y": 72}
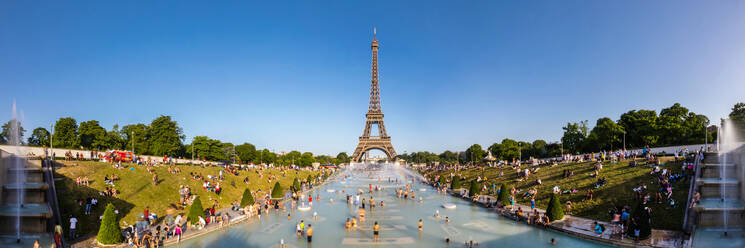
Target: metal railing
{"x": 697, "y": 170}
{"x": 48, "y": 168}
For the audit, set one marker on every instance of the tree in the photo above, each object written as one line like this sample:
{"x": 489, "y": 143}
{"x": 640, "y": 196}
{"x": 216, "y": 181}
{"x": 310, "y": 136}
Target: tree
{"x": 135, "y": 134}
{"x": 342, "y": 157}
{"x": 738, "y": 112}
{"x": 496, "y": 150}
{"x": 6, "y": 135}
{"x": 640, "y": 220}
{"x": 109, "y": 232}
{"x": 115, "y": 139}
{"x": 210, "y": 149}
{"x": 443, "y": 182}
{"x": 246, "y": 152}
{"x": 475, "y": 188}
{"x": 640, "y": 127}
{"x": 248, "y": 198}
{"x": 309, "y": 179}
{"x": 607, "y": 133}
{"x": 165, "y": 137}
{"x": 196, "y": 211}
{"x": 265, "y": 156}
{"x": 670, "y": 124}
{"x": 475, "y": 154}
{"x": 306, "y": 159}
{"x": 574, "y": 136}
{"x": 39, "y": 137}
{"x": 504, "y": 195}
{"x": 277, "y": 192}
{"x": 555, "y": 210}
{"x": 295, "y": 185}
{"x": 509, "y": 149}
{"x": 448, "y": 157}
{"x": 456, "y": 183}
{"x": 92, "y": 135}
{"x": 539, "y": 149}
{"x": 66, "y": 133}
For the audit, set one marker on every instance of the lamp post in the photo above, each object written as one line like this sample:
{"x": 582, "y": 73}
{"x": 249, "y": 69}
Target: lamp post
{"x": 706, "y": 135}
{"x": 520, "y": 150}
{"x": 51, "y": 140}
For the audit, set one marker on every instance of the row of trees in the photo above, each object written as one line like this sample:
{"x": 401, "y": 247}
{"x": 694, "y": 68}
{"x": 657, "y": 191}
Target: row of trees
{"x": 161, "y": 137}
{"x": 675, "y": 125}
{"x": 507, "y": 149}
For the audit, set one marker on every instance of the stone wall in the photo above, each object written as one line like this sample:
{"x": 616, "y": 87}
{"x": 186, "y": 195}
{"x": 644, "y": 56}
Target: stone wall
{"x": 60, "y": 153}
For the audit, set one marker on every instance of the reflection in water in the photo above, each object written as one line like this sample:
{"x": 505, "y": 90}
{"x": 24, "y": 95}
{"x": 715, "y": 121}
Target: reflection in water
{"x": 398, "y": 219}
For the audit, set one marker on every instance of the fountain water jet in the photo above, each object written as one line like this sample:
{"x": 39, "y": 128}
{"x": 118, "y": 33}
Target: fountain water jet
{"x": 726, "y": 142}
{"x": 17, "y": 164}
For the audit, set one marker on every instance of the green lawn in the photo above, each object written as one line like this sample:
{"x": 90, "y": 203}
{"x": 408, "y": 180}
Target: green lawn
{"x": 617, "y": 192}
{"x": 136, "y": 190}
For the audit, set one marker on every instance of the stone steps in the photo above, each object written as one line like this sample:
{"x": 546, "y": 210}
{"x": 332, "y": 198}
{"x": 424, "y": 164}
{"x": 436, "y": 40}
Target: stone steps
{"x": 35, "y": 212}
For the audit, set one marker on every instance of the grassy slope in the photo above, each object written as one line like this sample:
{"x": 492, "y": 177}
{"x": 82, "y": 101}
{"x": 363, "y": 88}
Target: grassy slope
{"x": 136, "y": 190}
{"x": 617, "y": 192}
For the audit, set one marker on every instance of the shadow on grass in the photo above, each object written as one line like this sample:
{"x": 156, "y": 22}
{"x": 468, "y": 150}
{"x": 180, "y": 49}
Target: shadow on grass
{"x": 69, "y": 194}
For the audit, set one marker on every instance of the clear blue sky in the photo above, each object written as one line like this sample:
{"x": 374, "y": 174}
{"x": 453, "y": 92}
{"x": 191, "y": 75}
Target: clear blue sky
{"x": 296, "y": 75}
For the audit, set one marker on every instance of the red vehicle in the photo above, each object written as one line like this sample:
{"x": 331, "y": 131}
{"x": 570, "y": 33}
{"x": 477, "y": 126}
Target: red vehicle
{"x": 116, "y": 156}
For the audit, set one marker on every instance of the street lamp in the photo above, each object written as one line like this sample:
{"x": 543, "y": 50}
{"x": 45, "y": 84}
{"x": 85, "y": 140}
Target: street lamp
{"x": 51, "y": 140}
{"x": 706, "y": 134}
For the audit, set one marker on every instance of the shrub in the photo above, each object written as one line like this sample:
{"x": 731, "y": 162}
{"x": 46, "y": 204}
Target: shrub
{"x": 555, "y": 210}
{"x": 195, "y": 211}
{"x": 247, "y": 199}
{"x": 456, "y": 183}
{"x": 443, "y": 182}
{"x": 475, "y": 188}
{"x": 310, "y": 178}
{"x": 296, "y": 185}
{"x": 641, "y": 215}
{"x": 277, "y": 191}
{"x": 504, "y": 196}
{"x": 109, "y": 232}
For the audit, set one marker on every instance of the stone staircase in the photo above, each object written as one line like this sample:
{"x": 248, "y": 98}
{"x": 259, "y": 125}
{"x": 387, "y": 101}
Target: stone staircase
{"x": 715, "y": 177}
{"x": 35, "y": 211}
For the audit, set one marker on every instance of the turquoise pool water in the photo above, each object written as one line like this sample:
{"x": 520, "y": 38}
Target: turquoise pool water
{"x": 398, "y": 220}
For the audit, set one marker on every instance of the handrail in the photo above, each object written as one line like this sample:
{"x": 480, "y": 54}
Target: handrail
{"x": 692, "y": 187}
{"x": 52, "y": 195}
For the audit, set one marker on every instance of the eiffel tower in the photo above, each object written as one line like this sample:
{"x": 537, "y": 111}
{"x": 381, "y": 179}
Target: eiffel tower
{"x": 374, "y": 117}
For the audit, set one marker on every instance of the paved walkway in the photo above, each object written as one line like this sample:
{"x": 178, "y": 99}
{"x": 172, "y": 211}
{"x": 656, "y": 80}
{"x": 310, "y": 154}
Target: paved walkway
{"x": 584, "y": 228}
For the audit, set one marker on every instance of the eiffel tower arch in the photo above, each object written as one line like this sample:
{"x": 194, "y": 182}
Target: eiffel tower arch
{"x": 373, "y": 117}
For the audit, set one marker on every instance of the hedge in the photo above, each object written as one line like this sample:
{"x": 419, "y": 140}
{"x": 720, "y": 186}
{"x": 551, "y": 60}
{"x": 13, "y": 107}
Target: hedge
{"x": 248, "y": 198}
{"x": 195, "y": 211}
{"x": 504, "y": 196}
{"x": 555, "y": 210}
{"x": 109, "y": 232}
{"x": 277, "y": 191}
{"x": 456, "y": 183}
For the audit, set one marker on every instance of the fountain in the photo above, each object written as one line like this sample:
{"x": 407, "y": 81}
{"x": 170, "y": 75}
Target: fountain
{"x": 17, "y": 164}
{"x": 23, "y": 198}
{"x": 721, "y": 211}
{"x": 727, "y": 143}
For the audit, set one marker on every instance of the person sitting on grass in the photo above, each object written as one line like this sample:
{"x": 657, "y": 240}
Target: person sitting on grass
{"x": 600, "y": 182}
{"x": 588, "y": 195}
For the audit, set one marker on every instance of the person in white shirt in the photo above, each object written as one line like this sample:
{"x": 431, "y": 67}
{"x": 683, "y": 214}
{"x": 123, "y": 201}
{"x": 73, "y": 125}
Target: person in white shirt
{"x": 73, "y": 225}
